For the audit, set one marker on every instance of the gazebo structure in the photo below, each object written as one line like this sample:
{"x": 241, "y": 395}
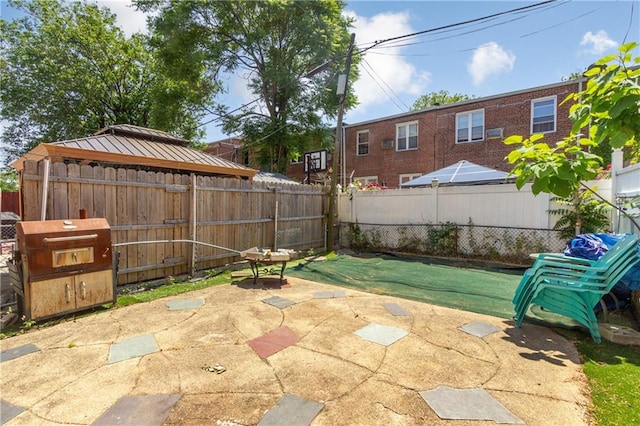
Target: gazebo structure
{"x": 143, "y": 148}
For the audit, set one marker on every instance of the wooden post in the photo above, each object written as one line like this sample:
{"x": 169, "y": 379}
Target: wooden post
{"x": 193, "y": 225}
{"x": 45, "y": 189}
{"x": 336, "y": 151}
{"x": 275, "y": 231}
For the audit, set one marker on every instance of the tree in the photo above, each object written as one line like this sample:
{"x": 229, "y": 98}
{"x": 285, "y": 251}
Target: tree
{"x": 67, "y": 70}
{"x": 438, "y": 98}
{"x": 273, "y": 45}
{"x": 608, "y": 108}
{"x": 573, "y": 76}
{"x": 8, "y": 180}
{"x": 585, "y": 211}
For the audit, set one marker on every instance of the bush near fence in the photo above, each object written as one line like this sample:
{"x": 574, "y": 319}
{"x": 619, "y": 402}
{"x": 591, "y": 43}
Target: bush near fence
{"x": 504, "y": 244}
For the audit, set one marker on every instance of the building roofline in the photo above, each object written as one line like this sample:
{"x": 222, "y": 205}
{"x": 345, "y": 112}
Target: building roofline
{"x": 469, "y": 101}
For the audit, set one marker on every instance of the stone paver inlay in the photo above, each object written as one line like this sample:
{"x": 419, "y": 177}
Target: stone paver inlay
{"x": 381, "y": 334}
{"x": 479, "y": 329}
{"x": 132, "y": 348}
{"x": 293, "y": 411}
{"x": 273, "y": 342}
{"x": 467, "y": 404}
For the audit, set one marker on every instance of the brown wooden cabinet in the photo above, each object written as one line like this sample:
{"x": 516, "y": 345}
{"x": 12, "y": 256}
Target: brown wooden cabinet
{"x": 70, "y": 293}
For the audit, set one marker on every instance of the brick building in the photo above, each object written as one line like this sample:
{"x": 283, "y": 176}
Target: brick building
{"x": 233, "y": 149}
{"x": 230, "y": 149}
{"x": 393, "y": 150}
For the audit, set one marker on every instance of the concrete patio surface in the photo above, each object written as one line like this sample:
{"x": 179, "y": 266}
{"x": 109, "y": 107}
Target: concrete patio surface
{"x": 301, "y": 353}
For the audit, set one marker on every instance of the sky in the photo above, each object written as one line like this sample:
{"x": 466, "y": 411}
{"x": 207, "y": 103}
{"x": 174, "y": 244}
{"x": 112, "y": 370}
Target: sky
{"x": 511, "y": 52}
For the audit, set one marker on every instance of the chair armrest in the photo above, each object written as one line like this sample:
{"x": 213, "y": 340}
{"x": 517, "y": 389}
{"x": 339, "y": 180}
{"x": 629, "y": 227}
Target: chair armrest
{"x": 562, "y": 257}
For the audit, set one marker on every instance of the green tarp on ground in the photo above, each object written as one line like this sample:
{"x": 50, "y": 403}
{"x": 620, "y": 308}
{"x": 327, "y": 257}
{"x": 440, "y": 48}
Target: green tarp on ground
{"x": 450, "y": 284}
{"x": 484, "y": 288}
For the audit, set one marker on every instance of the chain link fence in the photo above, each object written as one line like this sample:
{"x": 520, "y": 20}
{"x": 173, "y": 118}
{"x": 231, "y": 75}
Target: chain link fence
{"x": 8, "y": 232}
{"x": 503, "y": 244}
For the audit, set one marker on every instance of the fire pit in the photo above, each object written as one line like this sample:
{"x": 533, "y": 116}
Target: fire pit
{"x": 265, "y": 258}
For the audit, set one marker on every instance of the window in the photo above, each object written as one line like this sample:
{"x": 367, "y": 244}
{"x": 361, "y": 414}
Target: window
{"x": 362, "y": 143}
{"x": 409, "y": 176}
{"x": 406, "y": 136}
{"x": 470, "y": 126}
{"x": 543, "y": 115}
{"x": 297, "y": 159}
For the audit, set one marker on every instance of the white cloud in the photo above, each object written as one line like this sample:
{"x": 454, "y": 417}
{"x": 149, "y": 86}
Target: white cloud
{"x": 488, "y": 60}
{"x": 598, "y": 43}
{"x": 127, "y": 17}
{"x": 384, "y": 65}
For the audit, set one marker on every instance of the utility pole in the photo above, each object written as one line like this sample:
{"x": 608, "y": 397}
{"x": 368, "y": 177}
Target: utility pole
{"x": 342, "y": 92}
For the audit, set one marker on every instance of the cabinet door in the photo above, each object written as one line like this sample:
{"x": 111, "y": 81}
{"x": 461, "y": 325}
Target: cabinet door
{"x": 52, "y": 297}
{"x": 94, "y": 288}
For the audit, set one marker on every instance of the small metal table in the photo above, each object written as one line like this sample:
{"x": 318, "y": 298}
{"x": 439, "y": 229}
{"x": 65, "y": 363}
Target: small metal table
{"x": 266, "y": 262}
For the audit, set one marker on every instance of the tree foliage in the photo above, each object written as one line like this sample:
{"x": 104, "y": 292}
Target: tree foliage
{"x": 607, "y": 110}
{"x": 272, "y": 45}
{"x": 67, "y": 70}
{"x": 8, "y": 180}
{"x": 438, "y": 98}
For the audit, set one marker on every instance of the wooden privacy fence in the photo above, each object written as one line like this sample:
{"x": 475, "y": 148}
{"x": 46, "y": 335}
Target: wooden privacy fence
{"x": 154, "y": 206}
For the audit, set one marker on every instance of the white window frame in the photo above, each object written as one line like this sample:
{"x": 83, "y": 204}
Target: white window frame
{"x": 297, "y": 160}
{"x": 555, "y": 112}
{"x": 406, "y": 177}
{"x": 359, "y": 144}
{"x": 469, "y": 115}
{"x": 407, "y": 127}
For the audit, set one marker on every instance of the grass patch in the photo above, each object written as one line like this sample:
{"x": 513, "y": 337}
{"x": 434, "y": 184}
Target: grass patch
{"x": 613, "y": 372}
{"x": 171, "y": 289}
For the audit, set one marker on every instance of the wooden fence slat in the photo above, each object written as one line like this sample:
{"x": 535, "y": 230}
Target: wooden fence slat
{"x": 60, "y": 198}
{"x": 75, "y": 200}
{"x": 99, "y": 193}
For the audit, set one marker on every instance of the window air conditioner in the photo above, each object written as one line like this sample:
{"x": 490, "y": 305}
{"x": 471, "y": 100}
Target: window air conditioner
{"x": 494, "y": 133}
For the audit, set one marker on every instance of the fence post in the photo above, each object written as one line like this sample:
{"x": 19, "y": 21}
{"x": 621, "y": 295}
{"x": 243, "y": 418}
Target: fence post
{"x": 193, "y": 225}
{"x": 275, "y": 221}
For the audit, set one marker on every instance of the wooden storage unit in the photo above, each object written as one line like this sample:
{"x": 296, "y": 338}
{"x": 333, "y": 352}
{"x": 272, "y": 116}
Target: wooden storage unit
{"x": 63, "y": 266}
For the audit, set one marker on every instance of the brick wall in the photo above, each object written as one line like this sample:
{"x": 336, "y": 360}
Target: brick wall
{"x": 386, "y": 162}
{"x": 437, "y": 147}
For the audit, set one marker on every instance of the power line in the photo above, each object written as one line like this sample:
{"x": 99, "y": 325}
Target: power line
{"x": 369, "y": 67}
{"x": 458, "y": 24}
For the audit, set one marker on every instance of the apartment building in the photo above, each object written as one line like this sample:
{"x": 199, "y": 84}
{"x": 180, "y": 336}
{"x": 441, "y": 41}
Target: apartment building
{"x": 393, "y": 150}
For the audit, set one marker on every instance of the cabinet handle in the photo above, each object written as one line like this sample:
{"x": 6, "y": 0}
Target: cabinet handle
{"x": 83, "y": 290}
{"x": 67, "y": 292}
{"x": 70, "y": 238}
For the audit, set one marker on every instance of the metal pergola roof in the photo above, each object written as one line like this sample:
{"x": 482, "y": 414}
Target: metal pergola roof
{"x": 133, "y": 145}
{"x": 461, "y": 173}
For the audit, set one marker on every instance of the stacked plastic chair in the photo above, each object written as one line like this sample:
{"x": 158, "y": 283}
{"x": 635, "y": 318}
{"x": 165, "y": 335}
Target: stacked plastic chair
{"x": 572, "y": 286}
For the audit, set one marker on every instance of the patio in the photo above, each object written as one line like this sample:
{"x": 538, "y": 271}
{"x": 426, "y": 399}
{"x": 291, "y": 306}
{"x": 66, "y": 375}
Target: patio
{"x": 297, "y": 353}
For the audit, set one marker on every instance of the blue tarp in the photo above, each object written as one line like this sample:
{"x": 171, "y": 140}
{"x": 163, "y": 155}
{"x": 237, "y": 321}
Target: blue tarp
{"x": 593, "y": 246}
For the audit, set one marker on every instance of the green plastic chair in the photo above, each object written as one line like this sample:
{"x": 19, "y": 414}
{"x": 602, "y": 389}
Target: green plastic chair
{"x": 572, "y": 268}
{"x": 574, "y": 272}
{"x": 573, "y": 287}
